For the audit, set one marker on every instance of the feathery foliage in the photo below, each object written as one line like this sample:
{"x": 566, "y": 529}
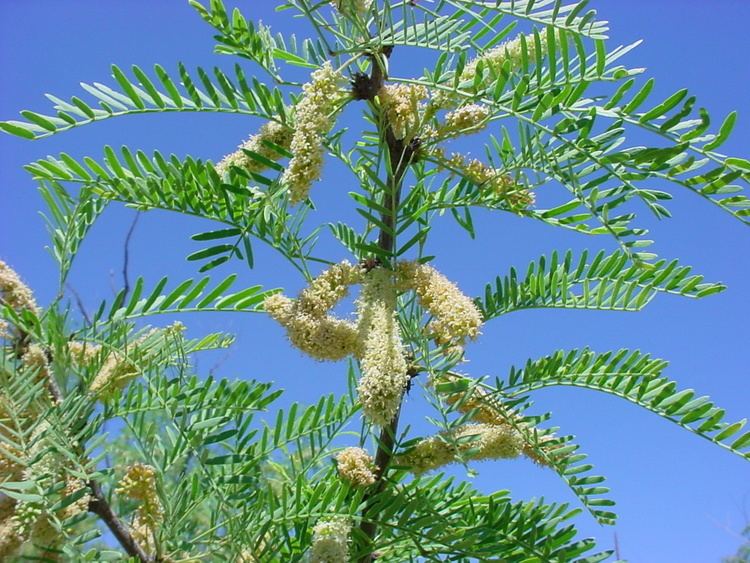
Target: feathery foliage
{"x": 106, "y": 422}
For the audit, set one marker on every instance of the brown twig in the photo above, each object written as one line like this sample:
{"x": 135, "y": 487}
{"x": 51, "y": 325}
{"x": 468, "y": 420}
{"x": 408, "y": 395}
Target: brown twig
{"x": 99, "y": 506}
{"x": 79, "y": 303}
{"x": 126, "y": 255}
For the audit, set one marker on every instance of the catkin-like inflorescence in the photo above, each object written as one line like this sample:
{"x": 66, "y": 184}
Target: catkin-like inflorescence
{"x": 120, "y": 367}
{"x": 306, "y": 320}
{"x": 330, "y": 287}
{"x": 487, "y": 409}
{"x": 10, "y": 468}
{"x": 314, "y": 117}
{"x": 116, "y": 372}
{"x": 455, "y": 316}
{"x": 466, "y": 119}
{"x": 139, "y": 483}
{"x": 31, "y": 519}
{"x": 510, "y": 51}
{"x": 352, "y": 7}
{"x": 382, "y": 362}
{"x": 402, "y": 105}
{"x": 83, "y": 354}
{"x": 13, "y": 292}
{"x": 10, "y": 539}
{"x": 356, "y": 467}
{"x": 324, "y": 338}
{"x": 489, "y": 62}
{"x": 35, "y": 359}
{"x": 74, "y": 485}
{"x": 330, "y": 541}
{"x": 270, "y": 132}
{"x": 475, "y": 442}
{"x": 495, "y": 184}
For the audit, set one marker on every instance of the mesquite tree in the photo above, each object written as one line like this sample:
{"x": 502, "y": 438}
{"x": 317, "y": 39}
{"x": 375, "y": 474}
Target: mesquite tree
{"x": 106, "y": 428}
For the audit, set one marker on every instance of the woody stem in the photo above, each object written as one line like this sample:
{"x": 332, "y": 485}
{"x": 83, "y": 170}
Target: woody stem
{"x": 99, "y": 506}
{"x": 399, "y": 157}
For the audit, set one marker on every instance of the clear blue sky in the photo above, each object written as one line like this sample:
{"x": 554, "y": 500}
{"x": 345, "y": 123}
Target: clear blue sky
{"x": 679, "y": 497}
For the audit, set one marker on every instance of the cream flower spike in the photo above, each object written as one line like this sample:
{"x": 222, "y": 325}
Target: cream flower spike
{"x": 402, "y": 106}
{"x": 492, "y": 182}
{"x": 464, "y": 120}
{"x": 356, "y": 467}
{"x": 352, "y": 7}
{"x": 139, "y": 483}
{"x": 493, "y": 59}
{"x": 306, "y": 320}
{"x": 455, "y": 316}
{"x": 10, "y": 540}
{"x": 314, "y": 118}
{"x": 14, "y": 292}
{"x": 487, "y": 409}
{"x": 273, "y": 132}
{"x": 330, "y": 542}
{"x": 382, "y": 362}
{"x": 475, "y": 442}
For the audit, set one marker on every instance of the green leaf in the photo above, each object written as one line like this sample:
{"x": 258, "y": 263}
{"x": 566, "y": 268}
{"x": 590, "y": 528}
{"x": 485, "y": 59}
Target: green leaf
{"x": 608, "y": 282}
{"x": 635, "y": 377}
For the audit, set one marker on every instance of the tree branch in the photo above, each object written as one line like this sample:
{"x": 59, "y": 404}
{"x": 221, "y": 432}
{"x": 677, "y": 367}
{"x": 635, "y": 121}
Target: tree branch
{"x": 99, "y": 506}
{"x": 126, "y": 255}
{"x": 400, "y": 156}
{"x": 79, "y": 303}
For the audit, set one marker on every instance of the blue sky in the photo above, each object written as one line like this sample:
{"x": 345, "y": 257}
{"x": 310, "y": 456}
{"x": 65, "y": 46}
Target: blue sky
{"x": 680, "y": 498}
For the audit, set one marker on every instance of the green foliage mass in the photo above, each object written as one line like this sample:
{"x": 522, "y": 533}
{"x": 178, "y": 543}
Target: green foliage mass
{"x": 235, "y": 483}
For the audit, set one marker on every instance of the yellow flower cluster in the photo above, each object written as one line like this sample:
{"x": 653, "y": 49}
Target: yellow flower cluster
{"x": 325, "y": 338}
{"x": 330, "y": 287}
{"x": 382, "y": 362}
{"x": 455, "y": 316}
{"x": 31, "y": 521}
{"x": 272, "y": 132}
{"x": 402, "y": 105}
{"x": 468, "y": 442}
{"x": 13, "y": 292}
{"x": 35, "y": 359}
{"x": 509, "y": 51}
{"x": 374, "y": 339}
{"x": 116, "y": 372}
{"x": 486, "y": 409}
{"x": 492, "y": 60}
{"x": 306, "y": 320}
{"x": 492, "y": 182}
{"x": 139, "y": 483}
{"x": 314, "y": 117}
{"x": 35, "y": 363}
{"x": 10, "y": 540}
{"x": 466, "y": 119}
{"x": 352, "y": 7}
{"x": 9, "y": 467}
{"x": 72, "y": 486}
{"x": 356, "y": 466}
{"x": 83, "y": 353}
{"x": 330, "y": 541}
{"x": 119, "y": 367}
